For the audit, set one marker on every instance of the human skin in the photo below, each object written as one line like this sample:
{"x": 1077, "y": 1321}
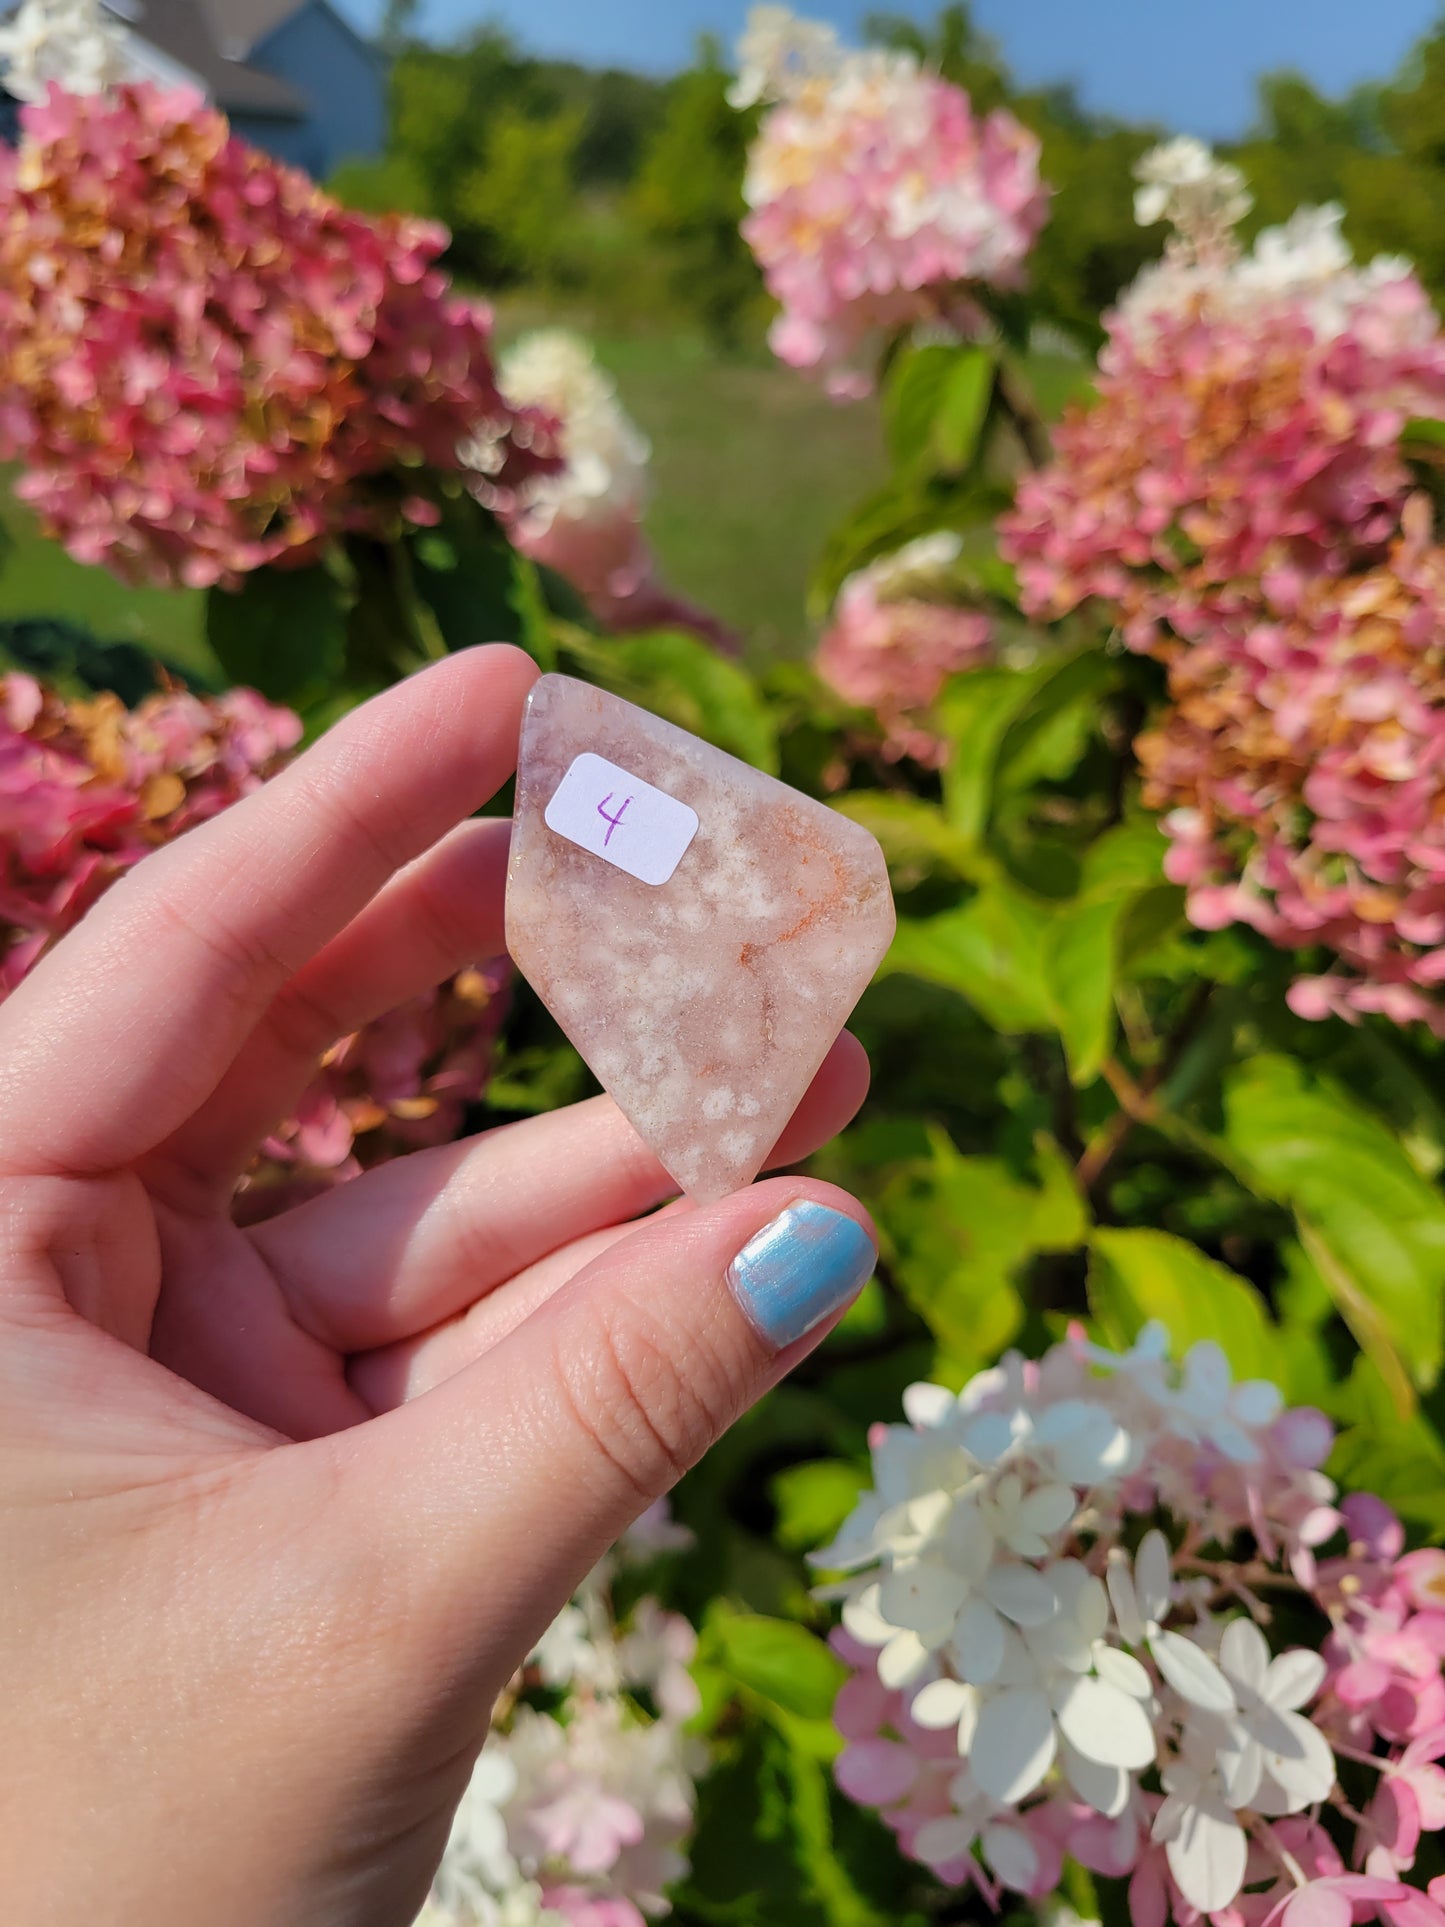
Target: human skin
{"x": 281, "y": 1509}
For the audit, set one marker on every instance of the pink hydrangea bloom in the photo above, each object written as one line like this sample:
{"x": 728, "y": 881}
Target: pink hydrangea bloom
{"x": 1300, "y": 771}
{"x": 583, "y": 1809}
{"x": 89, "y": 788}
{"x": 1240, "y": 432}
{"x": 206, "y": 364}
{"x": 1238, "y": 501}
{"x": 897, "y": 634}
{"x": 876, "y": 198}
{"x": 402, "y": 1083}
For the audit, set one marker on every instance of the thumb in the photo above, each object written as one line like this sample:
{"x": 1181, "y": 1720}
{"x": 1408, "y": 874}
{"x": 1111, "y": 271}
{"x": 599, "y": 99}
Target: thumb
{"x": 513, "y": 1478}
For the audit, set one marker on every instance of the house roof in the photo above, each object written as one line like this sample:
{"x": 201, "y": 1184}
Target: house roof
{"x": 239, "y": 25}
{"x": 187, "y": 31}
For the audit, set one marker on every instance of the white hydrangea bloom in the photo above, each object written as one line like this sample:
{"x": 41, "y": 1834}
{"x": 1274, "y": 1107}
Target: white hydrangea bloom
{"x": 995, "y": 1593}
{"x": 565, "y": 1653}
{"x": 605, "y": 453}
{"x": 1183, "y": 181}
{"x": 778, "y": 53}
{"x": 74, "y": 44}
{"x": 479, "y": 1883}
{"x": 1304, "y": 265}
{"x": 598, "y": 1800}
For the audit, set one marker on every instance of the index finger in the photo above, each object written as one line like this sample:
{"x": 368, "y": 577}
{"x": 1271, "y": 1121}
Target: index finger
{"x": 113, "y": 1041}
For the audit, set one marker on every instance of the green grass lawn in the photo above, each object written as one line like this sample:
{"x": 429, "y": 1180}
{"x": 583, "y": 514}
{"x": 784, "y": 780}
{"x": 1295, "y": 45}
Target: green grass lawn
{"x": 37, "y": 578}
{"x": 751, "y": 465}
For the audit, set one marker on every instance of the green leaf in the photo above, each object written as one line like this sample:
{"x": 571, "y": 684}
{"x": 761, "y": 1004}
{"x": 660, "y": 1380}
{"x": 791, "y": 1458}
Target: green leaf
{"x": 282, "y": 632}
{"x": 776, "y": 1843}
{"x": 1057, "y": 381}
{"x": 1422, "y": 429}
{"x": 748, "y": 1797}
{"x": 781, "y": 1661}
{"x": 1024, "y": 964}
{"x": 677, "y": 676}
{"x": 884, "y": 522}
{"x": 917, "y": 838}
{"x": 1127, "y": 858}
{"x": 912, "y": 397}
{"x": 65, "y": 653}
{"x": 963, "y": 409}
{"x": 903, "y": 508}
{"x": 1046, "y": 737}
{"x": 1005, "y": 728}
{"x": 1372, "y": 1225}
{"x": 992, "y": 951}
{"x": 1139, "y": 1275}
{"x": 1402, "y": 1459}
{"x": 975, "y": 713}
{"x": 935, "y": 403}
{"x": 813, "y": 1500}
{"x": 1078, "y": 971}
{"x": 466, "y": 572}
{"x": 958, "y": 1232}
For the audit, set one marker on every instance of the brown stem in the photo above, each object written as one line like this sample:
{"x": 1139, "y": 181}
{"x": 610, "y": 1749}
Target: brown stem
{"x": 1136, "y": 1100}
{"x": 1025, "y": 421}
{"x": 1253, "y": 1573}
{"x": 1044, "y": 1070}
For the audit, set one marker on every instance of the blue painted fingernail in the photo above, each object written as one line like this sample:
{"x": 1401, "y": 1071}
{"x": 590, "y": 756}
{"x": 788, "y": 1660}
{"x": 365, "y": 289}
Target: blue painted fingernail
{"x": 799, "y": 1270}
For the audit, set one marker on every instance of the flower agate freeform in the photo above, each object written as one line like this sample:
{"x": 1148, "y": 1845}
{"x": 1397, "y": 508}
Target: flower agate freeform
{"x": 877, "y": 197}
{"x": 207, "y": 364}
{"x": 700, "y": 931}
{"x": 1061, "y": 1647}
{"x": 1239, "y": 499}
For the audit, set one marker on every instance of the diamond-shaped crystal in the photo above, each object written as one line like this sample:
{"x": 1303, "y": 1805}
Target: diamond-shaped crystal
{"x": 700, "y": 931}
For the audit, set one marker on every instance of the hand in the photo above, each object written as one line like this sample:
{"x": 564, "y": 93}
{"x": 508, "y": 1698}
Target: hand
{"x": 282, "y": 1509}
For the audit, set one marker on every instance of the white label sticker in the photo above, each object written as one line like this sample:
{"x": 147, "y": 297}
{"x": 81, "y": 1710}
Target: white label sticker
{"x": 618, "y": 817}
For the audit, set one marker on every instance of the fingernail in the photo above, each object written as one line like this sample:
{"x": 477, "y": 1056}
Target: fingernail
{"x": 799, "y": 1270}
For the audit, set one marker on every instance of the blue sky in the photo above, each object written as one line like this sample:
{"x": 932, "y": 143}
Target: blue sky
{"x": 1188, "y": 63}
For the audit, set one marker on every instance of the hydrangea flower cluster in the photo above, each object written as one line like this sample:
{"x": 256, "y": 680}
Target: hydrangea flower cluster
{"x": 206, "y": 364}
{"x": 578, "y": 1816}
{"x": 897, "y": 634}
{"x": 584, "y": 520}
{"x": 1238, "y": 498}
{"x": 87, "y": 789}
{"x": 1107, "y": 1606}
{"x": 402, "y": 1083}
{"x": 1300, "y": 766}
{"x": 876, "y": 195}
{"x": 1247, "y": 421}
{"x": 73, "y": 44}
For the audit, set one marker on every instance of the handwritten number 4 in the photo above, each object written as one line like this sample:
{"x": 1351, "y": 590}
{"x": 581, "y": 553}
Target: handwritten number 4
{"x": 612, "y": 822}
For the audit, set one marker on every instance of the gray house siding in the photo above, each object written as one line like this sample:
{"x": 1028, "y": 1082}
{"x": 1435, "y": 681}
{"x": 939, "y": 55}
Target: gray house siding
{"x": 343, "y": 81}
